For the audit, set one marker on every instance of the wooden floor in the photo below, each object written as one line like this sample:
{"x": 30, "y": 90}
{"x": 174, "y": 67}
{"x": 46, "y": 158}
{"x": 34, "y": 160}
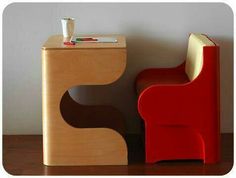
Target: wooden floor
{"x": 22, "y": 155}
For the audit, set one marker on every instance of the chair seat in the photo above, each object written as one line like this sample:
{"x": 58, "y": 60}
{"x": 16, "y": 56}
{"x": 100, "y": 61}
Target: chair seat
{"x": 150, "y": 77}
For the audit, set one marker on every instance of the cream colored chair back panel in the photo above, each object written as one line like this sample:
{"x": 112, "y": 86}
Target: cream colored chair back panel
{"x": 194, "y": 59}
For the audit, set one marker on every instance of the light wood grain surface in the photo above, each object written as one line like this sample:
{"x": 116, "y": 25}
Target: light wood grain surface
{"x": 64, "y": 144}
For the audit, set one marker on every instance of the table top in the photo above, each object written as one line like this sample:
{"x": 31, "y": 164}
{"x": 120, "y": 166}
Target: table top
{"x": 56, "y": 42}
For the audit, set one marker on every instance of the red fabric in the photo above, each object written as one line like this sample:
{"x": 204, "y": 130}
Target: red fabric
{"x": 182, "y": 118}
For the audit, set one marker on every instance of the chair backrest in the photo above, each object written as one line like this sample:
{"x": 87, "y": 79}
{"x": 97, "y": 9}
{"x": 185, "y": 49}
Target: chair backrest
{"x": 194, "y": 60}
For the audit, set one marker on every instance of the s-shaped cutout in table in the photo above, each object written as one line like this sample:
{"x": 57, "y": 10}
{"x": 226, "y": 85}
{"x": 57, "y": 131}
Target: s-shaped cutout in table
{"x": 75, "y": 134}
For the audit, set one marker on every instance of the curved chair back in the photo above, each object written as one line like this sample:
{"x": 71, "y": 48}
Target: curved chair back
{"x": 194, "y": 59}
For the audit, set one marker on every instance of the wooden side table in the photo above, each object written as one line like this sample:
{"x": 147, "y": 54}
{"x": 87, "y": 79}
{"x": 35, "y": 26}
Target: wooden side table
{"x": 75, "y": 134}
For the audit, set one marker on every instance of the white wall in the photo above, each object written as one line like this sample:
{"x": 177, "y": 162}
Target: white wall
{"x": 156, "y": 37}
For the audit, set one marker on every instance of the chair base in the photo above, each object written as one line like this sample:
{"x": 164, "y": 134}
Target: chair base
{"x": 173, "y": 143}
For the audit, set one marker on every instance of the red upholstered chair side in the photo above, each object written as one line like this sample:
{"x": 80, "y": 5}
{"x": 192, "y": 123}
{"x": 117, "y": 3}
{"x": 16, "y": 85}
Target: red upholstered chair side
{"x": 182, "y": 116}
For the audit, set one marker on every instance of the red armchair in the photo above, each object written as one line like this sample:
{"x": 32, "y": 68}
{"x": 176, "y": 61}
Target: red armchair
{"x": 181, "y": 106}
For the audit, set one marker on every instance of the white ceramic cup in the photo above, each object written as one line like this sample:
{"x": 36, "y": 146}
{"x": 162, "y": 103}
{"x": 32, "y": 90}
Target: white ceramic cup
{"x": 68, "y": 25}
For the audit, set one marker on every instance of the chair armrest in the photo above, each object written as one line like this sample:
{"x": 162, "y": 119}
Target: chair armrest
{"x": 155, "y": 102}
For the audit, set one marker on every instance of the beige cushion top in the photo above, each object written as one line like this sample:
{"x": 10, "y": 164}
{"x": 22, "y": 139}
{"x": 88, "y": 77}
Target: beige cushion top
{"x": 194, "y": 59}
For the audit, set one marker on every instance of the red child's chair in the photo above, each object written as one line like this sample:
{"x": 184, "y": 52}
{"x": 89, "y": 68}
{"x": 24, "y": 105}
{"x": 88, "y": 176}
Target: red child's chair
{"x": 181, "y": 106}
